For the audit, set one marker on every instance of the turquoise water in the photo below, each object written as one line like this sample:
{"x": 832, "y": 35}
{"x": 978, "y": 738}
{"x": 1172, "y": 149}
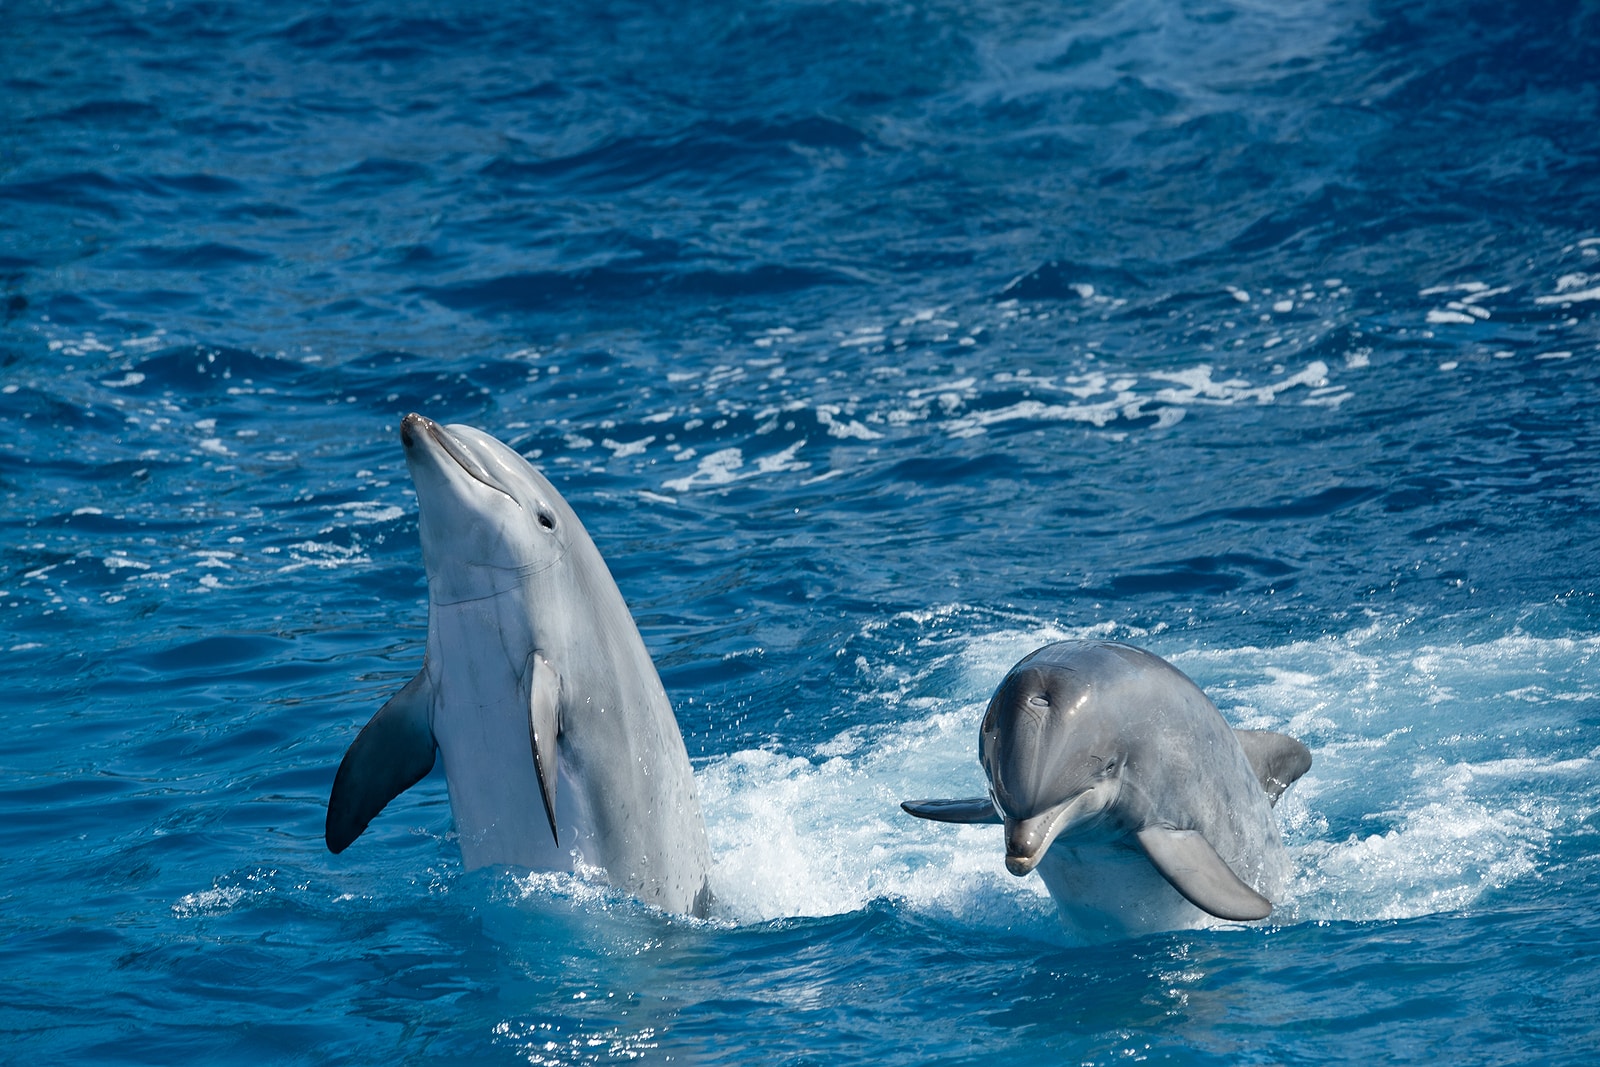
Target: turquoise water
{"x": 876, "y": 345}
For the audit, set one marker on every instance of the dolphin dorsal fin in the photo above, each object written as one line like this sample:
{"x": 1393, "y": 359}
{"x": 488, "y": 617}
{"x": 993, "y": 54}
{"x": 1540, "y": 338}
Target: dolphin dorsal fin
{"x": 392, "y": 753}
{"x": 968, "y": 810}
{"x": 1277, "y": 759}
{"x": 544, "y": 726}
{"x": 1187, "y": 860}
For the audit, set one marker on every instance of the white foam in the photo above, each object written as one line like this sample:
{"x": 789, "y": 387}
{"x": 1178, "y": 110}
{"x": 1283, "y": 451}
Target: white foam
{"x": 824, "y": 835}
{"x": 726, "y": 466}
{"x": 227, "y": 894}
{"x": 364, "y": 512}
{"x": 827, "y": 415}
{"x": 212, "y": 901}
{"x": 323, "y": 555}
{"x": 1200, "y": 387}
{"x": 1579, "y": 296}
{"x": 1101, "y": 414}
{"x": 625, "y": 449}
{"x": 719, "y": 468}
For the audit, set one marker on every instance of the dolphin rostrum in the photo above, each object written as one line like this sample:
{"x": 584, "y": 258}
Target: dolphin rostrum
{"x": 1119, "y": 781}
{"x": 559, "y": 743}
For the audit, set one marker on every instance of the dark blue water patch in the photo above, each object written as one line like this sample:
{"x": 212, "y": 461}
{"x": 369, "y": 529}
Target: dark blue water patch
{"x": 954, "y": 472}
{"x": 1510, "y": 55}
{"x": 708, "y": 157}
{"x": 1064, "y": 280}
{"x": 1128, "y": 100}
{"x": 261, "y": 211}
{"x": 212, "y": 655}
{"x": 539, "y": 93}
{"x": 226, "y": 128}
{"x": 74, "y": 802}
{"x": 148, "y": 304}
{"x": 357, "y": 310}
{"x": 393, "y": 383}
{"x": 395, "y": 39}
{"x": 202, "y": 370}
{"x": 316, "y": 31}
{"x": 1327, "y": 221}
{"x": 1084, "y": 49}
{"x": 191, "y": 185}
{"x": 1315, "y": 505}
{"x": 93, "y": 523}
{"x": 556, "y": 291}
{"x": 411, "y": 38}
{"x": 1209, "y": 306}
{"x": 210, "y": 256}
{"x": 1201, "y": 575}
{"x": 109, "y": 113}
{"x": 81, "y": 191}
{"x": 914, "y": 54}
{"x": 29, "y": 402}
{"x": 370, "y": 177}
{"x": 420, "y": 260}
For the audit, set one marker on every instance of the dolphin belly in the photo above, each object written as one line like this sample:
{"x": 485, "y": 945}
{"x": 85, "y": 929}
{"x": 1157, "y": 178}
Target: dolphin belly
{"x": 1106, "y": 890}
{"x": 495, "y": 798}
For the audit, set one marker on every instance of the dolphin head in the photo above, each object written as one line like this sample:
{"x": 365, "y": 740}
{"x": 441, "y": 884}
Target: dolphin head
{"x": 488, "y": 520}
{"x": 1053, "y": 764}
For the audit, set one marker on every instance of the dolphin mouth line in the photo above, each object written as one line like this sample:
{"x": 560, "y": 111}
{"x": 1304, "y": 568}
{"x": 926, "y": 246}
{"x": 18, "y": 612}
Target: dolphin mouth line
{"x": 1021, "y": 863}
{"x": 452, "y": 448}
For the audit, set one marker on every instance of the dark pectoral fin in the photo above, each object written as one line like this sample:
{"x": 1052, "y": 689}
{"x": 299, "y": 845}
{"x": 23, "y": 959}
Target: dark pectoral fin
{"x": 1277, "y": 759}
{"x": 1187, "y": 860}
{"x": 544, "y": 726}
{"x": 970, "y": 809}
{"x": 392, "y": 753}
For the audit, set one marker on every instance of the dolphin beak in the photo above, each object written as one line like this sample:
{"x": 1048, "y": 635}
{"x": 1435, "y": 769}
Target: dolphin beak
{"x": 1021, "y": 865}
{"x": 1027, "y": 840}
{"x": 419, "y": 430}
{"x": 413, "y": 426}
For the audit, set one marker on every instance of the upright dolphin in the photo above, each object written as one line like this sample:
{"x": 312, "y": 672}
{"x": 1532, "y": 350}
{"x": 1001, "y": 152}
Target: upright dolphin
{"x": 558, "y": 740}
{"x": 1120, "y": 782}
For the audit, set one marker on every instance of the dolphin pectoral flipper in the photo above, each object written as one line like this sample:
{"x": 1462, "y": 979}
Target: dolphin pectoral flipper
{"x": 393, "y": 752}
{"x": 968, "y": 810}
{"x": 544, "y": 725}
{"x": 1278, "y": 759}
{"x": 1187, "y": 860}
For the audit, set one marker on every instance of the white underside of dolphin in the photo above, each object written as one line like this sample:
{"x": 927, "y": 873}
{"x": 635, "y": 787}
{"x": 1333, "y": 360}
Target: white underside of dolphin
{"x": 1118, "y": 780}
{"x": 558, "y": 741}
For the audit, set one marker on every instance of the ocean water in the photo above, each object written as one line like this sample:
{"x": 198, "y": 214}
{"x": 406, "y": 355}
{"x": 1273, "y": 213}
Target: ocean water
{"x": 876, "y": 344}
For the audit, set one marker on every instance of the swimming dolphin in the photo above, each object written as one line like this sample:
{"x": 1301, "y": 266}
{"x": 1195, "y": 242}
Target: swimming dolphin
{"x": 1120, "y": 782}
{"x": 559, "y": 744}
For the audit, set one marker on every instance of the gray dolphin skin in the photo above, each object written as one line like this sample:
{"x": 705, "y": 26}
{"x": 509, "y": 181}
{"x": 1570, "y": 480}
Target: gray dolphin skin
{"x": 558, "y": 741}
{"x": 1118, "y": 780}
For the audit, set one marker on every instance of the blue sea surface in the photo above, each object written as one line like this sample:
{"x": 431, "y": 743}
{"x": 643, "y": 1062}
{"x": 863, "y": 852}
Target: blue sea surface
{"x": 876, "y": 344}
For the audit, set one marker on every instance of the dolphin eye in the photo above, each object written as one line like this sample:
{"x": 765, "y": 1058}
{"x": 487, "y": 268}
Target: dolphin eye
{"x": 547, "y": 521}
